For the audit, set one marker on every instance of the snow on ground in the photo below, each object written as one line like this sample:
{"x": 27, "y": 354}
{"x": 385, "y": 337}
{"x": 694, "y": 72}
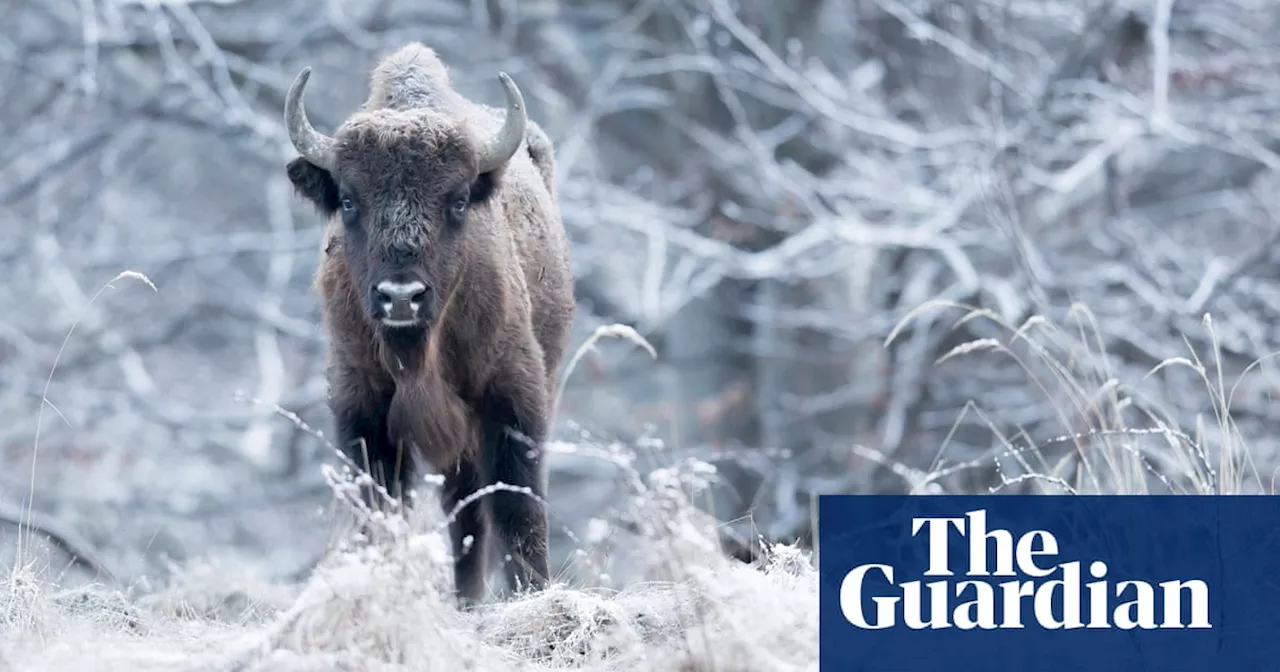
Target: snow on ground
{"x": 387, "y": 605}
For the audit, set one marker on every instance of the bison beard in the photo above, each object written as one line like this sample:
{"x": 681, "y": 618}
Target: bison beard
{"x": 442, "y": 437}
{"x": 450, "y": 431}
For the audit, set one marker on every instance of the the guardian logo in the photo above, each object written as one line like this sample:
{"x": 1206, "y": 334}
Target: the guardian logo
{"x": 1032, "y": 592}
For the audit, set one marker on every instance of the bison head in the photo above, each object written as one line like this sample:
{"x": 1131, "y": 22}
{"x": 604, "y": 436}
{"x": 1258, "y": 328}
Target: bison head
{"x": 405, "y": 183}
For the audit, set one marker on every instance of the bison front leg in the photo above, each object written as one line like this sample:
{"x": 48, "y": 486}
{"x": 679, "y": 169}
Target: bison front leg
{"x": 515, "y": 426}
{"x": 360, "y": 419}
{"x": 468, "y": 555}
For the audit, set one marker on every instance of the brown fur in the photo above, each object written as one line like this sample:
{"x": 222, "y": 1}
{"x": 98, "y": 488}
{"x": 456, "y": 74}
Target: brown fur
{"x": 501, "y": 301}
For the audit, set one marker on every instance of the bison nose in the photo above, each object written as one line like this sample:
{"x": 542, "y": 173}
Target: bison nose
{"x": 399, "y": 294}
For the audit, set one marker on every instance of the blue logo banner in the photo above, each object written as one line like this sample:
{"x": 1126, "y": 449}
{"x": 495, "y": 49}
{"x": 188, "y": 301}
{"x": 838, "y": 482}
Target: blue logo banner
{"x": 1007, "y": 583}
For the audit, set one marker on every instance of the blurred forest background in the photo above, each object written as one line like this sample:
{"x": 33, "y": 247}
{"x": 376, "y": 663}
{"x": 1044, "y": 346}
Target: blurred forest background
{"x": 764, "y": 190}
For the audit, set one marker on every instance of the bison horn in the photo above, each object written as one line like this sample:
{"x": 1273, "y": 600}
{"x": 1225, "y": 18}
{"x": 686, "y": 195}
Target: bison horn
{"x": 314, "y": 146}
{"x": 503, "y": 145}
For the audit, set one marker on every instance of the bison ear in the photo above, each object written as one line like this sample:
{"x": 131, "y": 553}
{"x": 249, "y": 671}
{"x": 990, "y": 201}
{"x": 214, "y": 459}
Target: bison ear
{"x": 315, "y": 184}
{"x": 484, "y": 186}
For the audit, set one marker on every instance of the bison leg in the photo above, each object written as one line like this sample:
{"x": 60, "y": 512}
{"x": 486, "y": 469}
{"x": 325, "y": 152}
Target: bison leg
{"x": 519, "y": 520}
{"x": 514, "y": 431}
{"x": 360, "y": 418}
{"x": 468, "y": 556}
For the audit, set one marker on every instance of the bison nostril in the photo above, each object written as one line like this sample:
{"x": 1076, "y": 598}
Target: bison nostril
{"x": 401, "y": 292}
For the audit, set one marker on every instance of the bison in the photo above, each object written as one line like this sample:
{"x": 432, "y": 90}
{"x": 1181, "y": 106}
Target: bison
{"x": 447, "y": 297}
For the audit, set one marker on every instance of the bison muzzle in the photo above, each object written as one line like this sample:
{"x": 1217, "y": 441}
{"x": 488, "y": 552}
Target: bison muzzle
{"x": 447, "y": 296}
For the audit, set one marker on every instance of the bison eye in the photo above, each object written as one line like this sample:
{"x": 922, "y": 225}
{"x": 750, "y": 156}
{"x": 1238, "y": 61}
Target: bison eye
{"x": 460, "y": 206}
{"x": 348, "y": 205}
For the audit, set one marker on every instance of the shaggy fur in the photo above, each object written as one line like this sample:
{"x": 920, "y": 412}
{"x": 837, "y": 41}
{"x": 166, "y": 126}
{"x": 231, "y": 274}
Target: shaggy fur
{"x": 468, "y": 394}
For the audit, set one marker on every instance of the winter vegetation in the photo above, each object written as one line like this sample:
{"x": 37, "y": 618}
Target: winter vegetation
{"x": 821, "y": 246}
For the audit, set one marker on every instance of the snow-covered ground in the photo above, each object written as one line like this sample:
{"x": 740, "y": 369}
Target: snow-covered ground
{"x": 387, "y": 605}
